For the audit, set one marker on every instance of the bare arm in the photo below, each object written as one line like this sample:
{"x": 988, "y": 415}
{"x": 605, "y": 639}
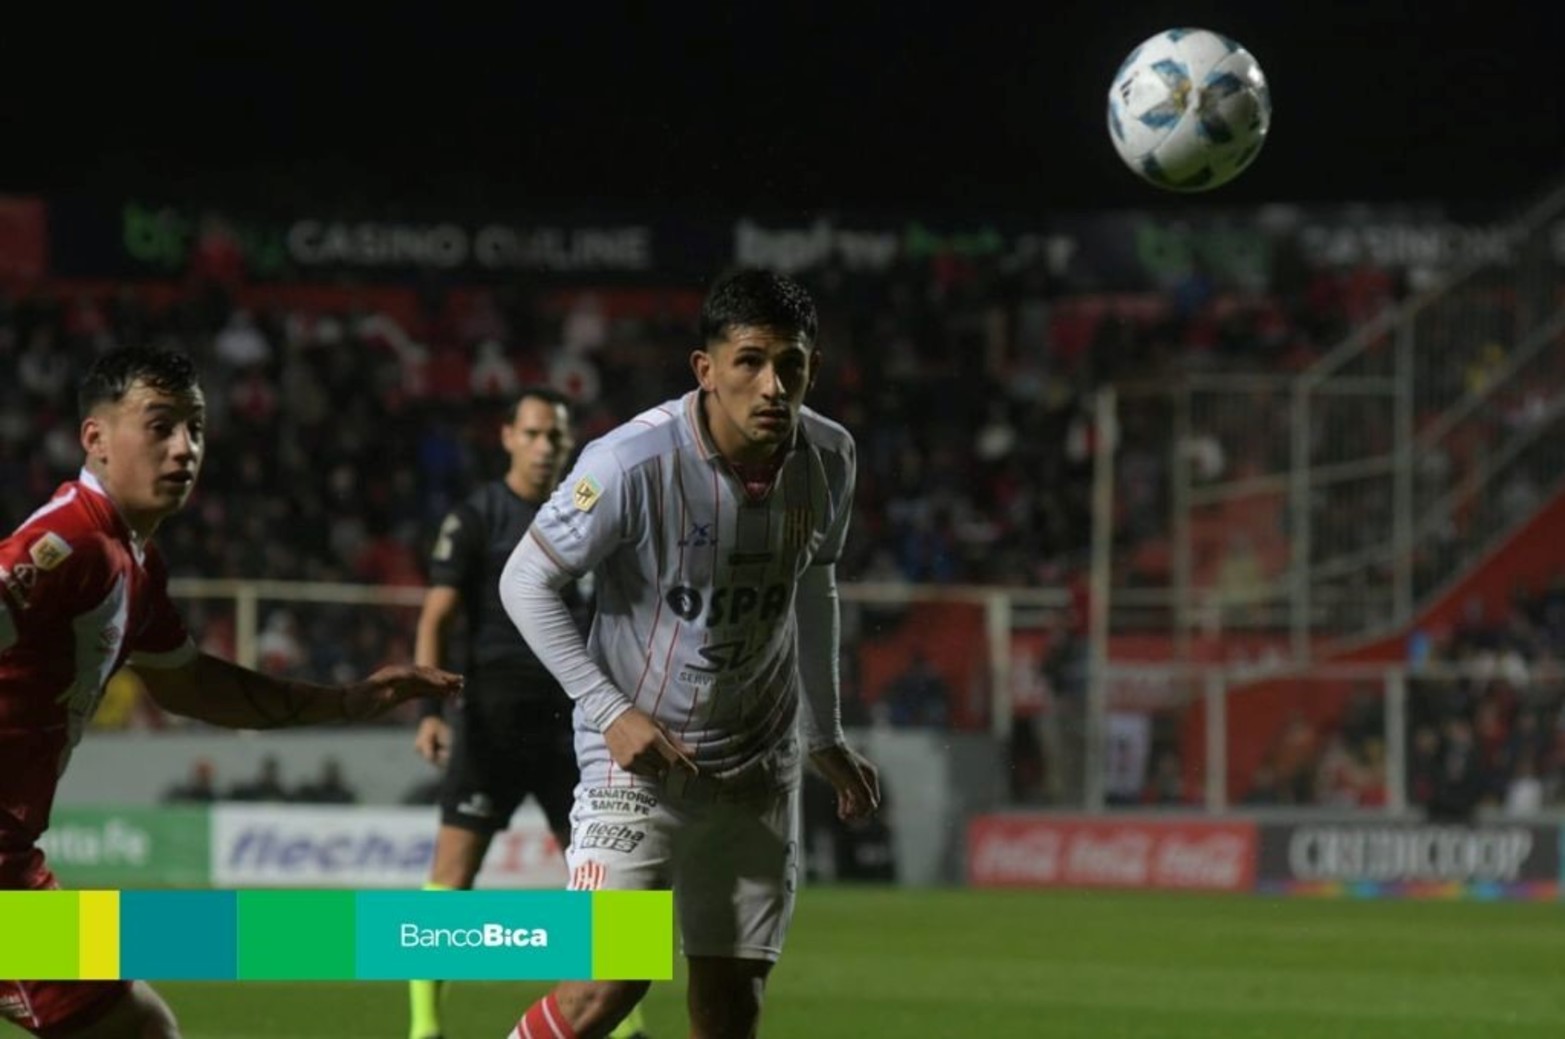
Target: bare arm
{"x": 440, "y": 608}
{"x": 432, "y": 738}
{"x": 215, "y": 691}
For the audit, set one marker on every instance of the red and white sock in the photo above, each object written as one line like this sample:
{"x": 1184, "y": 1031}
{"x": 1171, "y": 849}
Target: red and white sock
{"x": 543, "y": 1020}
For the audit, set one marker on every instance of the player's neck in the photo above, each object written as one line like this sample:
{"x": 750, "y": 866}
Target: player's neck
{"x": 142, "y": 524}
{"x": 751, "y": 456}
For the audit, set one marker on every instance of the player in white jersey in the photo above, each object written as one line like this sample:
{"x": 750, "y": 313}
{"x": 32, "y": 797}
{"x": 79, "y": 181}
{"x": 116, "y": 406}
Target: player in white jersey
{"x": 712, "y": 524}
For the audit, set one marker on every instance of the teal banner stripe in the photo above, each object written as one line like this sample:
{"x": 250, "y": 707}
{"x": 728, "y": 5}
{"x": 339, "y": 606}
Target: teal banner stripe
{"x": 178, "y": 935}
{"x": 474, "y": 935}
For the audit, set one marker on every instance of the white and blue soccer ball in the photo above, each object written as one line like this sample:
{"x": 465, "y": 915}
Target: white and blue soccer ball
{"x": 1189, "y": 110}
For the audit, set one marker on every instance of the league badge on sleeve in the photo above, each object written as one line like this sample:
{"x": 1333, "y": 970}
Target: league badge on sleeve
{"x": 49, "y": 551}
{"x": 586, "y": 493}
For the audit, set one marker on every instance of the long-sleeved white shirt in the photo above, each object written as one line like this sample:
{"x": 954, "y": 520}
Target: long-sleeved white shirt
{"x": 714, "y": 612}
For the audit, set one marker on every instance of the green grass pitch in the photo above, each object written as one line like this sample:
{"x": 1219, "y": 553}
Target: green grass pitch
{"x": 971, "y": 964}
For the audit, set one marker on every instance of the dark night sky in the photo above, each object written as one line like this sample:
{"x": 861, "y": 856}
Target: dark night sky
{"x": 786, "y": 107}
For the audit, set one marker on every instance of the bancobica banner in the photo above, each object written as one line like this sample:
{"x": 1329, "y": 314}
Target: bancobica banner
{"x": 1409, "y": 853}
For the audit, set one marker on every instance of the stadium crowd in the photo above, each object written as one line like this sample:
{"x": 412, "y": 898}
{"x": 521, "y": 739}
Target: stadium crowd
{"x": 344, "y": 427}
{"x": 1486, "y": 724}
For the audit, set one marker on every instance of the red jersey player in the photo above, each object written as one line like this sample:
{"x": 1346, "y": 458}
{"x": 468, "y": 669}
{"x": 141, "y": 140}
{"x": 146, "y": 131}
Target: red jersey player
{"x": 83, "y": 593}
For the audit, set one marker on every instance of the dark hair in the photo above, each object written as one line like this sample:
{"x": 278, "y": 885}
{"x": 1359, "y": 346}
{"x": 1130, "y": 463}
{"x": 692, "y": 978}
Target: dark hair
{"x": 547, "y": 394}
{"x": 113, "y": 373}
{"x": 760, "y": 299}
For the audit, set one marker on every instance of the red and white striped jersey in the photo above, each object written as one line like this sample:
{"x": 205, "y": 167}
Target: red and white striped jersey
{"x": 80, "y": 594}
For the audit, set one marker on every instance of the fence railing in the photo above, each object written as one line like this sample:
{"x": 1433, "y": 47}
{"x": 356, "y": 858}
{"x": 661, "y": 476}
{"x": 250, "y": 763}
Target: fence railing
{"x": 997, "y": 613}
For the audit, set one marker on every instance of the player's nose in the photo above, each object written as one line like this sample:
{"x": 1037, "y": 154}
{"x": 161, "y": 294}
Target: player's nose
{"x": 184, "y": 445}
{"x": 773, "y": 386}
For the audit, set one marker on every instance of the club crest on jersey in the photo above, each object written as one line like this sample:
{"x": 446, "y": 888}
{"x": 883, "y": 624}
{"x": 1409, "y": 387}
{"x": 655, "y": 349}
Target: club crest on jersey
{"x": 49, "y": 551}
{"x": 797, "y": 525}
{"x": 586, "y": 493}
{"x": 590, "y": 875}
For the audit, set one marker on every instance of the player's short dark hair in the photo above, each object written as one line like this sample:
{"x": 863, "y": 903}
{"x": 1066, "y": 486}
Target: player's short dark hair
{"x": 760, "y": 299}
{"x": 112, "y": 374}
{"x": 547, "y": 394}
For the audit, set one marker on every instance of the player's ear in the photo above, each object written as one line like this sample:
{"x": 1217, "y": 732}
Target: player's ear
{"x": 815, "y": 367}
{"x": 701, "y": 364}
{"x": 93, "y": 437}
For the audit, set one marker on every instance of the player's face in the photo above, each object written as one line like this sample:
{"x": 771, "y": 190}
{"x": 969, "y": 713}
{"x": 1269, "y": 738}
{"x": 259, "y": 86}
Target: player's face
{"x": 539, "y": 442}
{"x": 755, "y": 380}
{"x": 146, "y": 449}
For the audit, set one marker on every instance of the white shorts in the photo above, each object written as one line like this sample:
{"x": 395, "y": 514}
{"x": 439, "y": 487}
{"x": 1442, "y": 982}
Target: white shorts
{"x": 731, "y": 861}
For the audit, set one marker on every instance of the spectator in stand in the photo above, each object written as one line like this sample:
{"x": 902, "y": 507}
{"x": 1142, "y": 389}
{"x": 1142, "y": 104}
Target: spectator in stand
{"x": 328, "y": 788}
{"x": 266, "y": 786}
{"x": 200, "y": 787}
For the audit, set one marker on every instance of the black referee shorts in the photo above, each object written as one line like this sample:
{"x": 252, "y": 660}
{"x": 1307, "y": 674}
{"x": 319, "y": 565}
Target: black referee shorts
{"x": 511, "y": 737}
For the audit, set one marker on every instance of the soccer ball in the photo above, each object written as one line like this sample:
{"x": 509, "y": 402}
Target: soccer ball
{"x": 1189, "y": 110}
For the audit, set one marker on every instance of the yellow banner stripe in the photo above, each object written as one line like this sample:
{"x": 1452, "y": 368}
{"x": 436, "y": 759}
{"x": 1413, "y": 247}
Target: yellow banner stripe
{"x": 99, "y": 929}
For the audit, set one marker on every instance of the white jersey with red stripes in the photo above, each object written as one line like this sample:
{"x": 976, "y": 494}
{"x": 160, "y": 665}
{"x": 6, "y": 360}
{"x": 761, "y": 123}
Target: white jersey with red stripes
{"x": 696, "y": 579}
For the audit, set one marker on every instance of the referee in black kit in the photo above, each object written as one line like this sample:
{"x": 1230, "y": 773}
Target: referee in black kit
{"x": 512, "y": 735}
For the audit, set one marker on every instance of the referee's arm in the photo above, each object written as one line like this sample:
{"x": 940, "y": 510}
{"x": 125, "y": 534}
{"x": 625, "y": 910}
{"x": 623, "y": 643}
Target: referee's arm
{"x": 441, "y": 604}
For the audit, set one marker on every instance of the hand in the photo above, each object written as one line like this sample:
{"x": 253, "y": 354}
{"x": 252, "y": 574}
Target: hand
{"x": 641, "y": 746}
{"x": 391, "y": 686}
{"x": 433, "y": 740}
{"x": 856, "y": 781}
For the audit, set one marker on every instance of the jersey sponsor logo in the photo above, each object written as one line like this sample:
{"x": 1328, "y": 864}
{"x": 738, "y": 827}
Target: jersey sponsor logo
{"x": 49, "y": 551}
{"x": 586, "y": 493}
{"x": 477, "y": 805}
{"x": 735, "y": 604}
{"x": 685, "y": 602}
{"x": 626, "y": 800}
{"x": 19, "y": 582}
{"x": 700, "y": 536}
{"x": 611, "y": 837}
{"x": 723, "y": 657}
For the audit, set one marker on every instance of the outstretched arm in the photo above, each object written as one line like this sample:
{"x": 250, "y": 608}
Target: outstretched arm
{"x": 218, "y": 692}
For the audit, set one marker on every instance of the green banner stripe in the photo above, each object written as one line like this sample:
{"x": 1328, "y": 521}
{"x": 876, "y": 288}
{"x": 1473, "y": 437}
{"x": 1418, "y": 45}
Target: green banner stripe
{"x": 296, "y": 935}
{"x": 632, "y": 935}
{"x": 41, "y": 935}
